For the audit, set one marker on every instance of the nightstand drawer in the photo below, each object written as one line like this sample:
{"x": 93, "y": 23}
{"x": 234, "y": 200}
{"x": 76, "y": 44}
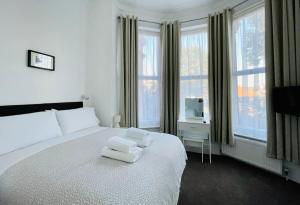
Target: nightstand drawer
{"x": 193, "y": 127}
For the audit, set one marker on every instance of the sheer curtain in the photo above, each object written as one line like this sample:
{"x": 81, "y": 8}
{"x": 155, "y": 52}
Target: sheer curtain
{"x": 194, "y": 67}
{"x": 249, "y": 101}
{"x": 149, "y": 79}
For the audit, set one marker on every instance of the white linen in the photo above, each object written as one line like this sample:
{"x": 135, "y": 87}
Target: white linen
{"x": 71, "y": 173}
{"x": 136, "y": 133}
{"x": 9, "y": 159}
{"x": 77, "y": 119}
{"x": 144, "y": 142}
{"x": 19, "y": 131}
{"x": 121, "y": 144}
{"x": 130, "y": 157}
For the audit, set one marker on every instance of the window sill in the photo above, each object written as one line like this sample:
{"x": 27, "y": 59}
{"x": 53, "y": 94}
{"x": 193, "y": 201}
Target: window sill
{"x": 250, "y": 138}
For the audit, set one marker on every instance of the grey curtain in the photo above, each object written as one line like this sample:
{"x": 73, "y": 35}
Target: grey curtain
{"x": 219, "y": 77}
{"x": 282, "y": 69}
{"x": 170, "y": 39}
{"x": 129, "y": 71}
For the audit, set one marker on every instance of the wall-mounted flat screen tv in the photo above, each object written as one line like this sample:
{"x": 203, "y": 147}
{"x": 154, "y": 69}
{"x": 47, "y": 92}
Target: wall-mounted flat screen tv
{"x": 286, "y": 100}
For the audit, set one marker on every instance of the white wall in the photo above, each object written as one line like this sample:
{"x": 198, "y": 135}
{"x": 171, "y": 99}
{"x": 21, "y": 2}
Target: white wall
{"x": 101, "y": 59}
{"x": 252, "y": 152}
{"x": 55, "y": 27}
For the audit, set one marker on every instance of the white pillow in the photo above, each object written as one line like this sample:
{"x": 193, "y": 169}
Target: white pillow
{"x": 19, "y": 131}
{"x": 77, "y": 119}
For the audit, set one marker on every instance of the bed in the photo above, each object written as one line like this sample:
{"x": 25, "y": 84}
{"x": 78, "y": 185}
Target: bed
{"x": 70, "y": 170}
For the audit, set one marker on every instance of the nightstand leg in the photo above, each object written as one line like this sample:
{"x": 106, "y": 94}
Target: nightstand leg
{"x": 181, "y": 137}
{"x": 209, "y": 151}
{"x": 202, "y": 151}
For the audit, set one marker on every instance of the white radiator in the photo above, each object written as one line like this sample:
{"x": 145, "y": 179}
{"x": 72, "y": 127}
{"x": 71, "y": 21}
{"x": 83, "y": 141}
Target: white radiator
{"x": 252, "y": 152}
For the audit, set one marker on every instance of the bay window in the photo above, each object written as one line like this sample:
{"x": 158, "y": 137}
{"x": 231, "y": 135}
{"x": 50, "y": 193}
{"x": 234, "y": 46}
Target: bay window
{"x": 248, "y": 95}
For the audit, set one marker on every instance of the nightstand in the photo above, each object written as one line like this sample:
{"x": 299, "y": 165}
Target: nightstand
{"x": 195, "y": 131}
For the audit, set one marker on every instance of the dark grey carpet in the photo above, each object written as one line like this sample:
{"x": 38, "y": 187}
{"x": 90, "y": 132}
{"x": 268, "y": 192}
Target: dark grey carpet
{"x": 227, "y": 181}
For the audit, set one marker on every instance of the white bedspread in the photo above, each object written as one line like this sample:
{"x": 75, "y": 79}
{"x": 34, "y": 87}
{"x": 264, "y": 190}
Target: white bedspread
{"x": 7, "y": 160}
{"x": 73, "y": 173}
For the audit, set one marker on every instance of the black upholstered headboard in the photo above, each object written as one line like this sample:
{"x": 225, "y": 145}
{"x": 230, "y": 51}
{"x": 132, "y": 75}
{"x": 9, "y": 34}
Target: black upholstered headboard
{"x": 30, "y": 108}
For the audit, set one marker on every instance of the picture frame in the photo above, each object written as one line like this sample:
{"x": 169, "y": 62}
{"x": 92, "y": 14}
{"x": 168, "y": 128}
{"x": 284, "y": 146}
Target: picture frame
{"x": 40, "y": 60}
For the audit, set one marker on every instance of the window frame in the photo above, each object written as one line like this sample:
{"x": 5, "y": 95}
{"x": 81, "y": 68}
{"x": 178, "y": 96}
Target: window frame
{"x": 247, "y": 72}
{"x": 193, "y": 29}
{"x": 149, "y": 30}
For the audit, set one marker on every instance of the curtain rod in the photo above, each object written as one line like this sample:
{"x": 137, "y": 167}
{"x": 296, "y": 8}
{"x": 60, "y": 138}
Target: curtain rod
{"x": 150, "y": 22}
{"x": 206, "y": 17}
{"x": 146, "y": 21}
{"x": 237, "y": 5}
{"x": 197, "y": 19}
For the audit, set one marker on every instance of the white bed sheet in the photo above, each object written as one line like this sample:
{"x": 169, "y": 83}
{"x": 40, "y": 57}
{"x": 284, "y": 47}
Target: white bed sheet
{"x": 11, "y": 158}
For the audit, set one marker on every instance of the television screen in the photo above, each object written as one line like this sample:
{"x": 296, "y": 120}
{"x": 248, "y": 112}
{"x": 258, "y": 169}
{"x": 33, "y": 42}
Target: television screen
{"x": 286, "y": 100}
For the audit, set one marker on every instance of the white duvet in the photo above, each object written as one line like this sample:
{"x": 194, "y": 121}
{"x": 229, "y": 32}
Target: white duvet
{"x": 73, "y": 172}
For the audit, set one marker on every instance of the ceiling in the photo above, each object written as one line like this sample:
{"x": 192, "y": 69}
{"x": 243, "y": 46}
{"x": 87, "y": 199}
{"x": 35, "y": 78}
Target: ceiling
{"x": 167, "y": 5}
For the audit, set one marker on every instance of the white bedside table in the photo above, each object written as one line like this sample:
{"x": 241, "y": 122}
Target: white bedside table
{"x": 195, "y": 131}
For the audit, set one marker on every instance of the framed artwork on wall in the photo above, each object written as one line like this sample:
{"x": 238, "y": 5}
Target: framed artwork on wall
{"x": 40, "y": 60}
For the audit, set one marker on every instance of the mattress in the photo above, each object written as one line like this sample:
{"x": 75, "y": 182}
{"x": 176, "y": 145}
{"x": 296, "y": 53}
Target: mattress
{"x": 71, "y": 171}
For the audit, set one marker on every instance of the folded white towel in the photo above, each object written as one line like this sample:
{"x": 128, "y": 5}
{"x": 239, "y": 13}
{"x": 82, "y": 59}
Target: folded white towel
{"x": 145, "y": 142}
{"x": 130, "y": 157}
{"x": 136, "y": 133}
{"x": 121, "y": 144}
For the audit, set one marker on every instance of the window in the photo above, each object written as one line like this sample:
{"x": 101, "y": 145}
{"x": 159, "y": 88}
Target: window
{"x": 249, "y": 103}
{"x": 194, "y": 67}
{"x": 149, "y": 79}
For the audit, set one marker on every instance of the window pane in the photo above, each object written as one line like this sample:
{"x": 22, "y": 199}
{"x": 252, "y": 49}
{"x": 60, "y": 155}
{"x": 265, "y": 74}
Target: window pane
{"x": 249, "y": 102}
{"x": 250, "y": 118}
{"x": 149, "y": 84}
{"x": 194, "y": 67}
{"x": 194, "y": 52}
{"x": 249, "y": 40}
{"x": 149, "y": 103}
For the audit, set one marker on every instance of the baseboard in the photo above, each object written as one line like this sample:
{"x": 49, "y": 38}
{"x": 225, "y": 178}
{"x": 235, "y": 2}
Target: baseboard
{"x": 252, "y": 152}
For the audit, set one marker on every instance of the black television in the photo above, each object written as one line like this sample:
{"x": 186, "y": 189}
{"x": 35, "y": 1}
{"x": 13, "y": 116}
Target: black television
{"x": 286, "y": 100}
